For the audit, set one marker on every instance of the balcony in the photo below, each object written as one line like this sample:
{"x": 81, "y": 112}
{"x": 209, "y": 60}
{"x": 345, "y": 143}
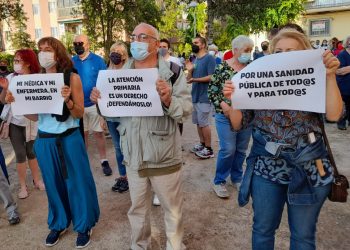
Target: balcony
{"x": 317, "y": 6}
{"x": 69, "y": 14}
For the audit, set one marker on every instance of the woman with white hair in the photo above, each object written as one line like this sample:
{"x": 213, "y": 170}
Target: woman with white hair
{"x": 233, "y": 144}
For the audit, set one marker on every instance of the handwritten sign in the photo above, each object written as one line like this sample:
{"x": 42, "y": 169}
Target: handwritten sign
{"x": 291, "y": 81}
{"x": 129, "y": 92}
{"x": 37, "y": 94}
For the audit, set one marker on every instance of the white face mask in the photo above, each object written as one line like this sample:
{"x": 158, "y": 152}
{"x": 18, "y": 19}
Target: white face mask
{"x": 18, "y": 68}
{"x": 46, "y": 59}
{"x": 212, "y": 53}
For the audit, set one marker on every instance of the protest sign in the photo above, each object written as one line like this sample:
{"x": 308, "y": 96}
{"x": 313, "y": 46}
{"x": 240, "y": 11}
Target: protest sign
{"x": 289, "y": 81}
{"x": 37, "y": 94}
{"x": 129, "y": 92}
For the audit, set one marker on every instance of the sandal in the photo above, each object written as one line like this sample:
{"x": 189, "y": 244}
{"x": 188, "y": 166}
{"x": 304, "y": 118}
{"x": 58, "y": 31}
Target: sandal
{"x": 23, "y": 193}
{"x": 39, "y": 185}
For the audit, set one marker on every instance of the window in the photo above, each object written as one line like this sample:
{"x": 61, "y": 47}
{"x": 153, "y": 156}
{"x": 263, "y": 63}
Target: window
{"x": 52, "y": 7}
{"x": 38, "y": 33}
{"x": 54, "y": 32}
{"x": 36, "y": 9}
{"x": 320, "y": 27}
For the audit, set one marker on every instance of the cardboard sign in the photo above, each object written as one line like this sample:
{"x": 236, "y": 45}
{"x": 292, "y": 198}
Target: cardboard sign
{"x": 37, "y": 94}
{"x": 129, "y": 92}
{"x": 288, "y": 81}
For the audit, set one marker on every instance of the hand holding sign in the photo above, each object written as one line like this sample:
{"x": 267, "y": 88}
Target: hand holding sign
{"x": 4, "y": 83}
{"x": 66, "y": 92}
{"x": 95, "y": 95}
{"x": 331, "y": 62}
{"x": 164, "y": 92}
{"x": 9, "y": 97}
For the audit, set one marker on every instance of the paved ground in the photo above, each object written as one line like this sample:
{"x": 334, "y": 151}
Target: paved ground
{"x": 210, "y": 223}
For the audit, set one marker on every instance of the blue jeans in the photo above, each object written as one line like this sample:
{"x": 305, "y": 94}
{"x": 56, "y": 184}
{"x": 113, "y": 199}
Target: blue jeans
{"x": 269, "y": 199}
{"x": 232, "y": 152}
{"x": 112, "y": 127}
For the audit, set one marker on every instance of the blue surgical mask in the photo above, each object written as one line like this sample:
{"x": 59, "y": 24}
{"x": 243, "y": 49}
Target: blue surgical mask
{"x": 244, "y": 58}
{"x": 139, "y": 50}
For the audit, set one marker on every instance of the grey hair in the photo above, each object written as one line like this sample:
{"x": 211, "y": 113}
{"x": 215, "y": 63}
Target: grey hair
{"x": 213, "y": 47}
{"x": 240, "y": 41}
{"x": 120, "y": 44}
{"x": 156, "y": 32}
{"x": 347, "y": 41}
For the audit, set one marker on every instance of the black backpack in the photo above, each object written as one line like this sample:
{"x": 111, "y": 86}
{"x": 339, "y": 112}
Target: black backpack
{"x": 176, "y": 69}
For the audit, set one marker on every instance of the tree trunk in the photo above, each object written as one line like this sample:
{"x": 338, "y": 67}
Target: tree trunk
{"x": 210, "y": 22}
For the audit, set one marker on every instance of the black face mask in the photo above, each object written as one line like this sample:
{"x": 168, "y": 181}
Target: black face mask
{"x": 79, "y": 49}
{"x": 195, "y": 48}
{"x": 115, "y": 58}
{"x": 264, "y": 47}
{"x": 3, "y": 68}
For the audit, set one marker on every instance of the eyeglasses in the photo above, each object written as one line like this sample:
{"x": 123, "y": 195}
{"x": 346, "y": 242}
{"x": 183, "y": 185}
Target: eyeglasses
{"x": 15, "y": 61}
{"x": 141, "y": 37}
{"x": 78, "y": 43}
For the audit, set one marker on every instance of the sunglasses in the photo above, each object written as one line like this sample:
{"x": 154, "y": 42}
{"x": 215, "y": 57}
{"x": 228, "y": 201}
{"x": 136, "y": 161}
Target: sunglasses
{"x": 78, "y": 43}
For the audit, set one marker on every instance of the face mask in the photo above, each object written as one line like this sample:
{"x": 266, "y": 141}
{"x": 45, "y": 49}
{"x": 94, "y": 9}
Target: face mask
{"x": 3, "y": 68}
{"x": 163, "y": 51}
{"x": 79, "y": 49}
{"x": 46, "y": 59}
{"x": 195, "y": 48}
{"x": 212, "y": 53}
{"x": 244, "y": 58}
{"x": 265, "y": 47}
{"x": 139, "y": 50}
{"x": 115, "y": 58}
{"x": 18, "y": 68}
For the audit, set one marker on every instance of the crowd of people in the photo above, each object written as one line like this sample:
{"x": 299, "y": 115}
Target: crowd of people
{"x": 148, "y": 149}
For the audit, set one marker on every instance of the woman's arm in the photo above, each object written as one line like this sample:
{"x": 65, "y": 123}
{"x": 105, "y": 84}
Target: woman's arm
{"x": 74, "y": 96}
{"x": 4, "y": 83}
{"x": 33, "y": 118}
{"x": 334, "y": 103}
{"x": 236, "y": 115}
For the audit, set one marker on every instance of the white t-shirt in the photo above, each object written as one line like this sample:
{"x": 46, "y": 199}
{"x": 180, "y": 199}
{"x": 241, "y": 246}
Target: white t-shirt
{"x": 175, "y": 60}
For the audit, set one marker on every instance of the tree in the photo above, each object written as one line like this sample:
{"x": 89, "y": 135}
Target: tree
{"x": 251, "y": 16}
{"x": 106, "y": 20}
{"x": 11, "y": 11}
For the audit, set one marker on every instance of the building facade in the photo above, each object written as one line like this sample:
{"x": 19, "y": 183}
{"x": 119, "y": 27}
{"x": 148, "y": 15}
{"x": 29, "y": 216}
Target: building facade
{"x": 324, "y": 19}
{"x": 46, "y": 18}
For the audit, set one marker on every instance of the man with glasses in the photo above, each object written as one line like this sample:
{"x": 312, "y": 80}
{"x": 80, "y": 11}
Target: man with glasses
{"x": 88, "y": 65}
{"x": 153, "y": 155}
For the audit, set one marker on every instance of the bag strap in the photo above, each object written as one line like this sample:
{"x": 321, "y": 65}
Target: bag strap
{"x": 176, "y": 70}
{"x": 331, "y": 157}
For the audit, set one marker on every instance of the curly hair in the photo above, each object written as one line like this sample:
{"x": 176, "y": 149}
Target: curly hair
{"x": 64, "y": 62}
{"x": 29, "y": 56}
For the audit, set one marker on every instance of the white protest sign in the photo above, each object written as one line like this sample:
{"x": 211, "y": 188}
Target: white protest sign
{"x": 37, "y": 94}
{"x": 129, "y": 92}
{"x": 292, "y": 81}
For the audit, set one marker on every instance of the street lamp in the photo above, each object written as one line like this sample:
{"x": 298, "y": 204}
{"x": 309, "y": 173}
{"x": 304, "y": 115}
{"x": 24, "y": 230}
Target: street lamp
{"x": 194, "y": 4}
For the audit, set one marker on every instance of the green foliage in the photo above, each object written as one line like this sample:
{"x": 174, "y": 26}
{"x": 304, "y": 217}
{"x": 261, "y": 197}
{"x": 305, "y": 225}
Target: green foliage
{"x": 67, "y": 39}
{"x": 252, "y": 16}
{"x": 8, "y": 58}
{"x": 11, "y": 9}
{"x": 171, "y": 14}
{"x": 200, "y": 12}
{"x": 106, "y": 20}
{"x": 185, "y": 48}
{"x": 22, "y": 39}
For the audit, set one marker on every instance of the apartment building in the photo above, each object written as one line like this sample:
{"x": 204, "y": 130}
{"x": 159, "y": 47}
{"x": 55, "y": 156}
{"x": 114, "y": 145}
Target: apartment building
{"x": 45, "y": 18}
{"x": 324, "y": 19}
